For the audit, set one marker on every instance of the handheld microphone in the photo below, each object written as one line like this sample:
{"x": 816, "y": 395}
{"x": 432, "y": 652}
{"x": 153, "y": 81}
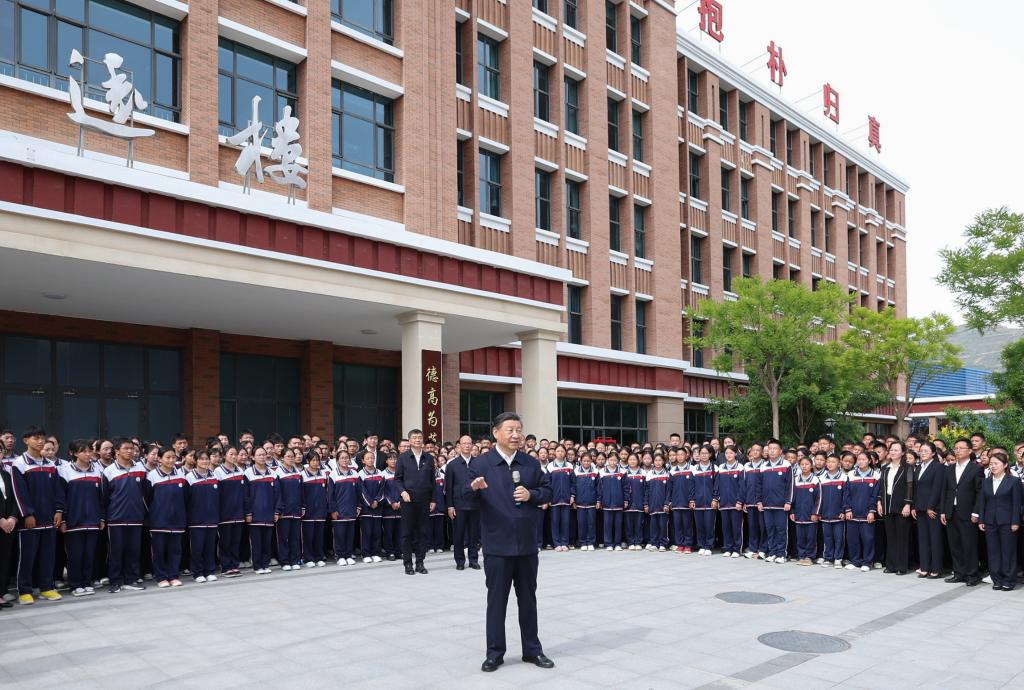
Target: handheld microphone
{"x": 517, "y": 482}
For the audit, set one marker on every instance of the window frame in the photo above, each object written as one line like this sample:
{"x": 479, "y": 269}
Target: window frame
{"x": 541, "y": 91}
{"x": 383, "y": 131}
{"x": 488, "y": 73}
{"x": 695, "y": 180}
{"x": 639, "y": 231}
{"x": 383, "y": 12}
{"x": 574, "y": 209}
{"x": 638, "y": 135}
{"x": 574, "y": 308}
{"x": 723, "y": 109}
{"x": 570, "y": 13}
{"x": 542, "y": 199}
{"x": 571, "y": 91}
{"x": 611, "y": 26}
{"x": 614, "y": 223}
{"x": 696, "y": 259}
{"x": 615, "y": 321}
{"x": 276, "y": 63}
{"x": 692, "y": 91}
{"x": 744, "y": 198}
{"x": 614, "y": 125}
{"x": 490, "y": 193}
{"x": 727, "y": 190}
{"x": 636, "y": 43}
{"x": 641, "y": 327}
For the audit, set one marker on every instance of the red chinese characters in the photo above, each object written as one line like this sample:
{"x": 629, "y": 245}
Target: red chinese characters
{"x": 874, "y": 141}
{"x": 711, "y": 19}
{"x": 776, "y": 64}
{"x": 831, "y": 102}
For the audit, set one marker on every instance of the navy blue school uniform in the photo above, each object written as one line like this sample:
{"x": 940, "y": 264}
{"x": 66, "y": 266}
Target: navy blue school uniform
{"x": 167, "y": 500}
{"x": 437, "y": 513}
{"x": 371, "y": 484}
{"x": 231, "y": 518}
{"x": 835, "y": 504}
{"x": 999, "y": 510}
{"x": 775, "y": 495}
{"x": 345, "y": 502}
{"x": 704, "y": 496}
{"x": 314, "y": 514}
{"x": 584, "y": 497}
{"x": 289, "y": 508}
{"x": 634, "y": 486}
{"x": 260, "y": 510}
{"x": 124, "y": 490}
{"x": 756, "y": 541}
{"x": 37, "y": 494}
{"x": 203, "y": 519}
{"x": 681, "y": 501}
{"x": 610, "y": 501}
{"x": 83, "y": 519}
{"x": 860, "y": 534}
{"x": 391, "y": 517}
{"x": 730, "y": 489}
{"x": 806, "y": 507}
{"x": 561, "y": 476}
{"x": 656, "y": 500}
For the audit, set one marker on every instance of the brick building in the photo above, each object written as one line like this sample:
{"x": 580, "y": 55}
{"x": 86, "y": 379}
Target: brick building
{"x": 537, "y": 192}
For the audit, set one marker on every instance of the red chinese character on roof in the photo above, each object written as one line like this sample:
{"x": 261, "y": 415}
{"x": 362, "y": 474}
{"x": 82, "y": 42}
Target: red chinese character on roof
{"x": 776, "y": 64}
{"x": 874, "y": 141}
{"x": 831, "y": 98}
{"x": 711, "y": 19}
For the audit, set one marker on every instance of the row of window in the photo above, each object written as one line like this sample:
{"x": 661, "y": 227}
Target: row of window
{"x": 575, "y": 311}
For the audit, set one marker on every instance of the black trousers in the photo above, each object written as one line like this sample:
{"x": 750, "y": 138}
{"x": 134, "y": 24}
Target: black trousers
{"x": 897, "y": 542}
{"x": 6, "y": 559}
{"x": 467, "y": 526}
{"x": 963, "y": 545}
{"x": 415, "y": 530}
{"x": 929, "y": 542}
{"x": 1001, "y": 542}
{"x": 502, "y": 573}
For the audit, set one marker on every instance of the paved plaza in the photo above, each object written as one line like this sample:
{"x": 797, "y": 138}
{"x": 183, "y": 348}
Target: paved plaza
{"x": 620, "y": 620}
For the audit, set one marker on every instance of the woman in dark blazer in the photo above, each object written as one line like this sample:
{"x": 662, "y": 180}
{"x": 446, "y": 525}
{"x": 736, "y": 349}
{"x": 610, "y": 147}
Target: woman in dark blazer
{"x": 8, "y": 520}
{"x": 999, "y": 506}
{"x": 894, "y": 506}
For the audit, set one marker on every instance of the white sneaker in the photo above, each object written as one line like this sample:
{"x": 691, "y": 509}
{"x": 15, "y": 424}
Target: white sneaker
{"x": 878, "y": 566}
{"x": 342, "y": 561}
{"x": 820, "y": 561}
{"x": 987, "y": 579}
{"x": 211, "y": 578}
{"x": 163, "y": 584}
{"x": 748, "y": 554}
{"x": 350, "y": 561}
{"x": 8, "y": 598}
{"x": 377, "y": 559}
{"x": 90, "y": 590}
{"x": 780, "y": 559}
{"x": 865, "y": 569}
{"x": 286, "y": 567}
{"x": 618, "y": 548}
{"x": 825, "y": 564}
{"x": 735, "y": 554}
{"x": 851, "y": 566}
{"x": 609, "y": 548}
{"x": 662, "y": 548}
{"x": 726, "y": 554}
{"x": 310, "y": 564}
{"x": 838, "y": 565}
{"x": 769, "y": 559}
{"x": 201, "y": 579}
{"x": 761, "y": 554}
{"x": 78, "y": 592}
{"x": 320, "y": 564}
{"x": 367, "y": 559}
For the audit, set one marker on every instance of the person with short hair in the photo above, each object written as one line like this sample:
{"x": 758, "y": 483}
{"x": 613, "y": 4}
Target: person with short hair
{"x": 82, "y": 482}
{"x": 999, "y": 515}
{"x": 231, "y": 517}
{"x": 166, "y": 498}
{"x": 414, "y": 477}
{"x": 40, "y": 503}
{"x": 203, "y": 518}
{"x": 260, "y": 509}
{"x": 314, "y": 510}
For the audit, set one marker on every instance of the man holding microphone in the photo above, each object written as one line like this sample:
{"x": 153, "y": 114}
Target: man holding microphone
{"x": 511, "y": 487}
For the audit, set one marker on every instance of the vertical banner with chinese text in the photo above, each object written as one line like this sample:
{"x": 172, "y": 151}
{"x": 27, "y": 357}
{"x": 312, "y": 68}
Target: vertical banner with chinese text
{"x": 431, "y": 381}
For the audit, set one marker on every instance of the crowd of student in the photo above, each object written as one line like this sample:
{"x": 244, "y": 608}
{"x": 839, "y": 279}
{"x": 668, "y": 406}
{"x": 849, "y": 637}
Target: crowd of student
{"x": 115, "y": 511}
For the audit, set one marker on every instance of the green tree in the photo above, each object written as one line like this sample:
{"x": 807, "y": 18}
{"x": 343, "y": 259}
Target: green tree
{"x": 768, "y": 330}
{"x": 1009, "y": 382}
{"x": 1003, "y": 427}
{"x": 902, "y": 354}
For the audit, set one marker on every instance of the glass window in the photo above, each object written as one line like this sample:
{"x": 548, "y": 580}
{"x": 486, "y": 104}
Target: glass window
{"x": 745, "y": 265}
{"x": 477, "y": 410}
{"x": 773, "y": 140}
{"x": 744, "y": 198}
{"x": 698, "y": 354}
{"x": 488, "y": 67}
{"x": 789, "y": 147}
{"x": 541, "y": 93}
{"x": 490, "y": 183}
{"x": 259, "y": 393}
{"x": 613, "y": 125}
{"x": 614, "y": 223}
{"x": 697, "y": 425}
{"x": 775, "y": 211}
{"x": 728, "y": 255}
{"x": 372, "y": 17}
{"x": 541, "y": 5}
{"x": 460, "y": 56}
{"x": 638, "y": 135}
{"x": 573, "y": 210}
{"x": 696, "y": 259}
{"x": 245, "y": 73}
{"x": 542, "y": 198}
{"x": 723, "y": 109}
{"x": 814, "y": 229}
{"x": 616, "y": 321}
{"x": 572, "y": 105}
{"x": 695, "y": 176}
{"x": 570, "y": 13}
{"x": 37, "y": 37}
{"x": 726, "y": 189}
{"x": 611, "y": 26}
{"x": 575, "y": 314}
{"x": 363, "y": 131}
{"x": 365, "y": 399}
{"x": 635, "y": 40}
{"x": 639, "y": 231}
{"x": 641, "y": 327}
{"x": 692, "y": 91}
{"x": 743, "y": 120}
{"x": 791, "y": 218}
{"x": 460, "y": 175}
{"x": 586, "y": 420}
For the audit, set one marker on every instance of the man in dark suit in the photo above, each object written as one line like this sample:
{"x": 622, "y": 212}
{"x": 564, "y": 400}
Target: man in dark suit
{"x": 8, "y": 521}
{"x": 963, "y": 481}
{"x": 414, "y": 479}
{"x": 463, "y": 506}
{"x": 929, "y": 488}
{"x": 510, "y": 514}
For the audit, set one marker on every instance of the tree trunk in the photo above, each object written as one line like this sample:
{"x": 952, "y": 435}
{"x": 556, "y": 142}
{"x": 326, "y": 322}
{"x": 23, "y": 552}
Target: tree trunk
{"x": 902, "y": 410}
{"x": 774, "y": 398}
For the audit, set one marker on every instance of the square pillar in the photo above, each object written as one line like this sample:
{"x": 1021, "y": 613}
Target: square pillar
{"x": 540, "y": 383}
{"x": 317, "y": 388}
{"x": 421, "y": 331}
{"x": 201, "y": 389}
{"x": 664, "y": 417}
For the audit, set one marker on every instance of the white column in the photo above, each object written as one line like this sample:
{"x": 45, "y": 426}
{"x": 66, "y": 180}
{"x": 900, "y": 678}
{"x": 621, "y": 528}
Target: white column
{"x": 540, "y": 383}
{"x": 421, "y": 331}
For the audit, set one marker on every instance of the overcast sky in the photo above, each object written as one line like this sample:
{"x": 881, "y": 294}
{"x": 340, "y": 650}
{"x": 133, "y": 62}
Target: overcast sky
{"x": 944, "y": 78}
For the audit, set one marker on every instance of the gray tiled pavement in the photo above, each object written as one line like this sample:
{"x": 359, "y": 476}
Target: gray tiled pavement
{"x": 620, "y": 620}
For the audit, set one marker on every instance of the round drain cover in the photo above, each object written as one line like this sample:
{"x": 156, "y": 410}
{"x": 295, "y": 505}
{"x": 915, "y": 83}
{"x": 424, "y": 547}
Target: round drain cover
{"x": 800, "y": 641}
{"x": 750, "y": 598}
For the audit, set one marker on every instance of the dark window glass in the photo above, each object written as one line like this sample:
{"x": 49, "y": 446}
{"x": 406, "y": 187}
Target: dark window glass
{"x": 572, "y": 105}
{"x": 490, "y": 183}
{"x": 743, "y": 120}
{"x": 829, "y": 235}
{"x": 260, "y": 393}
{"x": 586, "y": 420}
{"x": 775, "y": 211}
{"x": 365, "y": 399}
{"x": 698, "y": 354}
{"x": 745, "y": 265}
{"x": 639, "y": 231}
{"x": 541, "y": 93}
{"x": 123, "y": 366}
{"x": 696, "y": 259}
{"x": 697, "y": 425}
{"x": 773, "y": 139}
{"x": 614, "y": 223}
{"x": 695, "y": 176}
{"x": 611, "y": 26}
{"x": 460, "y": 56}
{"x": 723, "y": 109}
{"x": 542, "y": 199}
{"x": 477, "y": 409}
{"x": 728, "y": 254}
{"x": 575, "y": 314}
{"x": 613, "y": 125}
{"x": 814, "y": 229}
{"x": 488, "y": 67}
{"x": 249, "y": 73}
{"x": 616, "y": 321}
{"x": 789, "y": 147}
{"x": 726, "y": 189}
{"x": 791, "y": 218}
{"x": 570, "y": 13}
{"x": 573, "y": 210}
{"x": 362, "y": 131}
{"x": 541, "y": 5}
{"x": 744, "y": 198}
{"x": 638, "y": 135}
{"x": 635, "y": 40}
{"x": 374, "y": 18}
{"x": 460, "y": 178}
{"x": 692, "y": 91}
{"x": 641, "y": 327}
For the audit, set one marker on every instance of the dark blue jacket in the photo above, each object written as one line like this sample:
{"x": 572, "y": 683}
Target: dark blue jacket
{"x": 288, "y": 493}
{"x": 584, "y": 487}
{"x": 457, "y": 493}
{"x": 681, "y": 486}
{"x": 561, "y": 483}
{"x": 346, "y": 495}
{"x": 203, "y": 499}
{"x": 37, "y": 490}
{"x": 167, "y": 497}
{"x": 610, "y": 493}
{"x": 124, "y": 491}
{"x": 507, "y": 529}
{"x": 634, "y": 488}
{"x": 656, "y": 498}
{"x": 1001, "y": 507}
{"x": 231, "y": 485}
{"x": 314, "y": 495}
{"x": 83, "y": 496}
{"x": 260, "y": 496}
{"x": 418, "y": 482}
{"x": 729, "y": 486}
{"x": 864, "y": 491}
{"x": 835, "y": 496}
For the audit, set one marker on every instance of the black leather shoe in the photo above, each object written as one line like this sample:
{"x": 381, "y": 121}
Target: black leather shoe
{"x": 421, "y": 569}
{"x": 474, "y": 566}
{"x": 997, "y": 587}
{"x": 409, "y": 570}
{"x": 390, "y": 557}
{"x": 972, "y": 583}
{"x": 1007, "y": 588}
{"x": 491, "y": 665}
{"x": 540, "y": 661}
{"x": 954, "y": 579}
{"x": 459, "y": 566}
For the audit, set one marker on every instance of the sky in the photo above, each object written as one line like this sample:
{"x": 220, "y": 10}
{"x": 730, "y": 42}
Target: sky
{"x": 944, "y": 79}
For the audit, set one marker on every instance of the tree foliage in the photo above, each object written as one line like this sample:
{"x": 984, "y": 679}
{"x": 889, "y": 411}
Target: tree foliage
{"x": 1003, "y": 427}
{"x": 1009, "y": 382}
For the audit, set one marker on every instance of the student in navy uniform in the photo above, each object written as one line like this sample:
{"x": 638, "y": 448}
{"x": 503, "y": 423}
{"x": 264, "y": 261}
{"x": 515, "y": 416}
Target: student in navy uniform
{"x": 633, "y": 488}
{"x": 729, "y": 487}
{"x": 289, "y": 512}
{"x": 508, "y": 514}
{"x": 560, "y": 474}
{"x": 999, "y": 514}
{"x": 656, "y": 504}
{"x": 775, "y": 500}
{"x": 835, "y": 504}
{"x": 806, "y": 510}
{"x": 314, "y": 510}
{"x": 8, "y": 525}
{"x": 584, "y": 500}
{"x": 203, "y": 518}
{"x": 865, "y": 485}
{"x": 681, "y": 501}
{"x": 82, "y": 487}
{"x": 166, "y": 498}
{"x": 124, "y": 489}
{"x": 260, "y": 509}
{"x": 929, "y": 484}
{"x": 894, "y": 502}
{"x": 345, "y": 498}
{"x": 610, "y": 500}
{"x": 371, "y": 486}
{"x": 756, "y": 537}
{"x": 463, "y": 507}
{"x": 437, "y": 512}
{"x": 705, "y": 500}
{"x": 231, "y": 488}
{"x": 391, "y": 511}
{"x": 39, "y": 502}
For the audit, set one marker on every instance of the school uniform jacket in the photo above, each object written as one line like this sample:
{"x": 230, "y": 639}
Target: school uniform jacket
{"x": 125, "y": 492}
{"x": 681, "y": 486}
{"x": 634, "y": 485}
{"x": 203, "y": 499}
{"x": 371, "y": 485}
{"x": 864, "y": 489}
{"x": 167, "y": 499}
{"x": 610, "y": 493}
{"x": 835, "y": 496}
{"x": 231, "y": 489}
{"x": 584, "y": 487}
{"x": 36, "y": 490}
{"x": 260, "y": 496}
{"x": 391, "y": 495}
{"x": 561, "y": 477}
{"x": 345, "y": 494}
{"x": 438, "y": 498}
{"x": 729, "y": 485}
{"x": 1003, "y": 506}
{"x": 806, "y": 498}
{"x": 704, "y": 486}
{"x": 314, "y": 495}
{"x": 83, "y": 496}
{"x": 657, "y": 491}
{"x": 776, "y": 485}
{"x": 752, "y": 482}
{"x": 288, "y": 493}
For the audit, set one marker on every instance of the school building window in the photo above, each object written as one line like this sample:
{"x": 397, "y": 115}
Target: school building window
{"x": 697, "y": 426}
{"x": 363, "y": 131}
{"x": 616, "y": 321}
{"x": 614, "y": 223}
{"x": 613, "y": 125}
{"x": 775, "y": 211}
{"x": 375, "y": 18}
{"x": 460, "y": 56}
{"x": 541, "y": 5}
{"x": 692, "y": 91}
{"x": 78, "y": 389}
{"x": 723, "y": 109}
{"x": 639, "y": 231}
{"x": 37, "y": 37}
{"x": 728, "y": 255}
{"x": 743, "y": 120}
{"x": 695, "y": 176}
{"x": 244, "y": 73}
{"x": 542, "y": 199}
{"x": 541, "y": 92}
{"x": 570, "y": 13}
{"x": 638, "y": 135}
{"x": 641, "y": 327}
{"x": 460, "y": 171}
{"x": 575, "y": 314}
{"x": 365, "y": 399}
{"x": 488, "y": 75}
{"x": 477, "y": 410}
{"x": 697, "y": 358}
{"x": 696, "y": 259}
{"x": 726, "y": 189}
{"x": 745, "y": 265}
{"x": 490, "y": 183}
{"x": 611, "y": 26}
{"x": 573, "y": 210}
{"x": 745, "y": 198}
{"x": 635, "y": 40}
{"x": 791, "y": 218}
{"x": 259, "y": 393}
{"x": 585, "y": 420}
{"x": 572, "y": 105}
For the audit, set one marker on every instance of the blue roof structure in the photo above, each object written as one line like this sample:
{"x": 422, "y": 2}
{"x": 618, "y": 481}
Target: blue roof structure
{"x": 964, "y": 381}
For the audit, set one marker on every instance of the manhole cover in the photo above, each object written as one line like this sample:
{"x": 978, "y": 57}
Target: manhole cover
{"x": 799, "y": 641}
{"x": 750, "y": 598}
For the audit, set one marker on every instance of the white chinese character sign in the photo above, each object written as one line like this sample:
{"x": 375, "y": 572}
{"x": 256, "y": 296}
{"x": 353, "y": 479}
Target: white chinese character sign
{"x": 122, "y": 99}
{"x": 249, "y": 140}
{"x": 285, "y": 151}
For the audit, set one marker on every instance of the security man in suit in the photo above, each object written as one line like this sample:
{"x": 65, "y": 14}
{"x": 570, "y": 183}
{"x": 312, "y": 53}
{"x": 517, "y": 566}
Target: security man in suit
{"x": 414, "y": 479}
{"x": 509, "y": 516}
{"x": 963, "y": 482}
{"x": 463, "y": 506}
